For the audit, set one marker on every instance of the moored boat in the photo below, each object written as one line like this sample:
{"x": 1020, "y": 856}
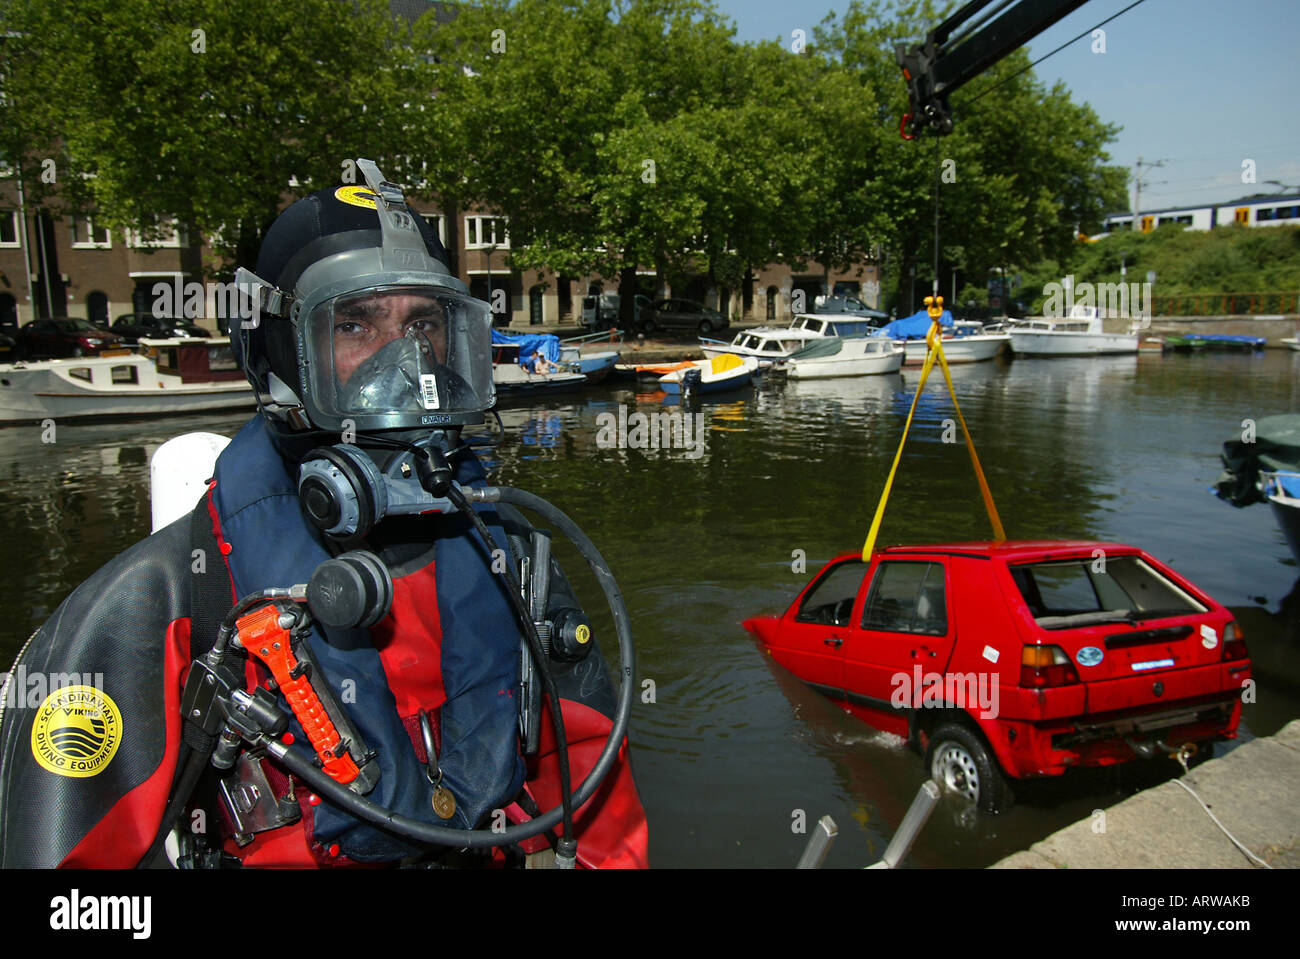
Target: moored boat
{"x": 1264, "y": 465}
{"x": 765, "y": 344}
{"x": 720, "y": 373}
{"x": 833, "y": 356}
{"x": 532, "y": 364}
{"x": 186, "y": 376}
{"x": 963, "y": 341}
{"x": 1080, "y": 334}
{"x": 1283, "y": 492}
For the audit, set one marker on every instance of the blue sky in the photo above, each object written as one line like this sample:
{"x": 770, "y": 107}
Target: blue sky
{"x": 1201, "y": 84}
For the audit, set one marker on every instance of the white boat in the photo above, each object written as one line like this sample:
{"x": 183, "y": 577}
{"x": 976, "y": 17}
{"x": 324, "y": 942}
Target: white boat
{"x": 187, "y": 376}
{"x": 856, "y": 356}
{"x": 717, "y": 374}
{"x": 1080, "y": 334}
{"x": 970, "y": 344}
{"x": 594, "y": 366}
{"x": 1282, "y": 487}
{"x": 1291, "y": 342}
{"x": 844, "y": 325}
{"x": 765, "y": 344}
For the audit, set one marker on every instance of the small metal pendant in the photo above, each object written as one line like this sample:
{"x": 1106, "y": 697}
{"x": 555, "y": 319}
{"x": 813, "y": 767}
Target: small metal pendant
{"x": 444, "y": 803}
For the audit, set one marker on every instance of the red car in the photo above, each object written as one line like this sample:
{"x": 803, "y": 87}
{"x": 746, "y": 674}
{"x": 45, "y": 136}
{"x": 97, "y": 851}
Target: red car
{"x": 1017, "y": 659}
{"x": 61, "y": 337}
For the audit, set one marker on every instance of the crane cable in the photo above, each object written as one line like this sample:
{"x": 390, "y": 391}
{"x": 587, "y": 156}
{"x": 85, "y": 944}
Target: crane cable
{"x": 934, "y": 350}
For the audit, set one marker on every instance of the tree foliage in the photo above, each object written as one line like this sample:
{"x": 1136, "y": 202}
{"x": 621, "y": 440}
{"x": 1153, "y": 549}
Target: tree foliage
{"x": 614, "y": 134}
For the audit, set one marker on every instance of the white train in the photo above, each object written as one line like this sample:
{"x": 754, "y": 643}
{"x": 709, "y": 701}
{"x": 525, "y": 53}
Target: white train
{"x": 1259, "y": 210}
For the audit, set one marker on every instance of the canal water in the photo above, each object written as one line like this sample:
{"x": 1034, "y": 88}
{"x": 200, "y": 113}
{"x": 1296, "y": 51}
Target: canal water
{"x": 732, "y": 754}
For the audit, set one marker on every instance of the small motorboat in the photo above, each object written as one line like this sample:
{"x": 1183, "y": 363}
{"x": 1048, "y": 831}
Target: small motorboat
{"x": 188, "y": 375}
{"x": 1291, "y": 342}
{"x": 832, "y": 356}
{"x": 1265, "y": 466}
{"x": 964, "y": 341}
{"x": 721, "y": 373}
{"x": 766, "y": 344}
{"x": 531, "y": 364}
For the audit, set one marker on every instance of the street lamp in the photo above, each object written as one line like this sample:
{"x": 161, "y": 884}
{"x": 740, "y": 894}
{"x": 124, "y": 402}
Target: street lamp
{"x": 492, "y": 248}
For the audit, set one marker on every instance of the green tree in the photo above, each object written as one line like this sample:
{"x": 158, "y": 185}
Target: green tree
{"x": 203, "y": 110}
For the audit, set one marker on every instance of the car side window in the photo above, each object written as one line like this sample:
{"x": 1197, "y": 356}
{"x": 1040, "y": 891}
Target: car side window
{"x": 907, "y": 597}
{"x": 830, "y": 601}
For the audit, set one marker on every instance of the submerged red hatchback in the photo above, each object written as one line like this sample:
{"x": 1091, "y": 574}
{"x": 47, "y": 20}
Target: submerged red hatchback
{"x": 1017, "y": 659}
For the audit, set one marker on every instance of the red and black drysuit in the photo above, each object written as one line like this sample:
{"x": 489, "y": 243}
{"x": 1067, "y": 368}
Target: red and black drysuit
{"x": 450, "y": 646}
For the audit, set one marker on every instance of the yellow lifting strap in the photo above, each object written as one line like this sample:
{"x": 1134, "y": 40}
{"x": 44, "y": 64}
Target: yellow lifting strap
{"x": 934, "y": 350}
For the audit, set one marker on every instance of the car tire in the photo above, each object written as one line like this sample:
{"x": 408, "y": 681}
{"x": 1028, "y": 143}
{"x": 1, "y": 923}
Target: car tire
{"x": 77, "y": 351}
{"x": 648, "y": 327}
{"x": 959, "y": 761}
{"x": 706, "y": 327}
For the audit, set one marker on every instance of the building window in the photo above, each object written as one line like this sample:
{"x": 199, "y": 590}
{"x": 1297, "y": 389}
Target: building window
{"x": 9, "y": 229}
{"x": 439, "y": 224}
{"x": 87, "y": 236}
{"x": 484, "y": 231}
{"x": 170, "y": 238}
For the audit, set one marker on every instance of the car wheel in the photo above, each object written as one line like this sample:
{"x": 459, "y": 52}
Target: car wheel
{"x": 706, "y": 327}
{"x": 77, "y": 351}
{"x": 648, "y": 326}
{"x": 959, "y": 761}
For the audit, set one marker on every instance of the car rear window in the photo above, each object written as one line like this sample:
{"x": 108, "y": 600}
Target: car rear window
{"x": 1082, "y": 592}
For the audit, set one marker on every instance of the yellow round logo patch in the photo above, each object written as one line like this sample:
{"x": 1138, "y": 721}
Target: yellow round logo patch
{"x": 77, "y": 731}
{"x": 582, "y": 634}
{"x": 356, "y": 195}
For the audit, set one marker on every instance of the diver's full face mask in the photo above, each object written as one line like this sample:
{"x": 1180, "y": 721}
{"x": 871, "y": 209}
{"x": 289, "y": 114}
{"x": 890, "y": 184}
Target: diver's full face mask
{"x": 399, "y": 356}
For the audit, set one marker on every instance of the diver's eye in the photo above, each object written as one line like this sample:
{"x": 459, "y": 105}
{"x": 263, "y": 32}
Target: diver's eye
{"x": 431, "y": 324}
{"x": 348, "y": 328}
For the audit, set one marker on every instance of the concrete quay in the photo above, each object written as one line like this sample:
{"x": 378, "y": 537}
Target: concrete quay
{"x": 1253, "y": 790}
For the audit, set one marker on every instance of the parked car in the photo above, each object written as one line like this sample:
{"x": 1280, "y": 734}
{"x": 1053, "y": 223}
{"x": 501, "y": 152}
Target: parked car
{"x": 1006, "y": 661}
{"x": 601, "y": 311}
{"x": 63, "y": 336}
{"x": 678, "y": 314}
{"x": 7, "y": 346}
{"x": 850, "y": 305}
{"x": 132, "y": 326}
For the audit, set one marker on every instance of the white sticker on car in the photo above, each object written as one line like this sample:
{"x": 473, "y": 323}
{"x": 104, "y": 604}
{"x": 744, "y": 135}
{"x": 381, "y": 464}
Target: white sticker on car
{"x": 991, "y": 654}
{"x": 1209, "y": 638}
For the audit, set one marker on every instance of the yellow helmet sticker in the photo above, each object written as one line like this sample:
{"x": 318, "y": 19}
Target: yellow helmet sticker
{"x": 77, "y": 731}
{"x": 356, "y": 196}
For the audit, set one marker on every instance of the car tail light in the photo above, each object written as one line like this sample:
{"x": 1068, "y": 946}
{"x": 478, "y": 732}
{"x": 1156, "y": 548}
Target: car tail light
{"x": 1042, "y": 666}
{"x": 1234, "y": 644}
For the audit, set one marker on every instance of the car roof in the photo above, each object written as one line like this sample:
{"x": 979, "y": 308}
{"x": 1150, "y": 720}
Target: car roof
{"x": 1021, "y": 550}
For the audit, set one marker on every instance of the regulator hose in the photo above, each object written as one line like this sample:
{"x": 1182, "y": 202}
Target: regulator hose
{"x": 304, "y": 768}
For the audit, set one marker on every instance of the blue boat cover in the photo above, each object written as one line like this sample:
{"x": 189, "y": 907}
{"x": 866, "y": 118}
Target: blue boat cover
{"x": 913, "y": 327}
{"x": 530, "y": 343}
{"x": 1290, "y": 483}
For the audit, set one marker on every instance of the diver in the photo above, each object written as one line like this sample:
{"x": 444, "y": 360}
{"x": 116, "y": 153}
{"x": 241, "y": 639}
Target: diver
{"x": 423, "y": 703}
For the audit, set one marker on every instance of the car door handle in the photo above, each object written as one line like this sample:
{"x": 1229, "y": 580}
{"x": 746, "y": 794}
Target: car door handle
{"x": 833, "y": 641}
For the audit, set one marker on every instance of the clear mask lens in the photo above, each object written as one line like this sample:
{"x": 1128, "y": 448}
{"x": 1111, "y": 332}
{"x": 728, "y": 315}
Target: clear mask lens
{"x": 405, "y": 350}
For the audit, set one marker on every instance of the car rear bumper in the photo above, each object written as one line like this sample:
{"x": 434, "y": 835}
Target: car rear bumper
{"x": 1028, "y": 748}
